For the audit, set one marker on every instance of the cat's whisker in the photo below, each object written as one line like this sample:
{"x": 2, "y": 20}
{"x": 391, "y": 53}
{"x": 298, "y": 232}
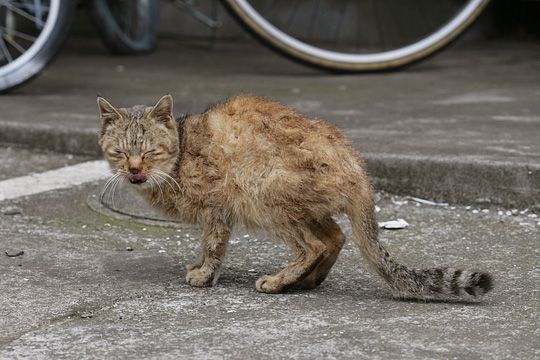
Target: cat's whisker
{"x": 110, "y": 189}
{"x": 160, "y": 190}
{"x": 113, "y": 192}
{"x": 152, "y": 185}
{"x": 155, "y": 190}
{"x": 104, "y": 189}
{"x": 111, "y": 178}
{"x": 165, "y": 180}
{"x": 158, "y": 186}
{"x": 169, "y": 177}
{"x": 106, "y": 186}
{"x": 112, "y": 181}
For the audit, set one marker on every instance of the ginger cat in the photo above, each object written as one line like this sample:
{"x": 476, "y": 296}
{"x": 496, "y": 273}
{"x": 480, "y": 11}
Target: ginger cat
{"x": 259, "y": 163}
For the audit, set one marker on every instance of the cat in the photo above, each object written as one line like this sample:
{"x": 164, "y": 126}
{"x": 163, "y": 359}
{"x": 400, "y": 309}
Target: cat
{"x": 259, "y": 163}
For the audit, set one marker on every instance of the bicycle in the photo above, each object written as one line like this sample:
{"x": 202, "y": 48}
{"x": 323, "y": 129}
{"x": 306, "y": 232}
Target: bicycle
{"x": 32, "y": 32}
{"x": 355, "y": 52}
{"x": 338, "y": 35}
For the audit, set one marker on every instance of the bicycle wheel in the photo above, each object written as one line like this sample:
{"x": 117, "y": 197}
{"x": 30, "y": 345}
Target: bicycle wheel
{"x": 31, "y": 32}
{"x": 357, "y": 35}
{"x": 126, "y": 26}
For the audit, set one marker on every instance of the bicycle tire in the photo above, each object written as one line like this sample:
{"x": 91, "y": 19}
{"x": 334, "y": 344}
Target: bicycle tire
{"x": 143, "y": 31}
{"x": 318, "y": 57}
{"x": 30, "y": 64}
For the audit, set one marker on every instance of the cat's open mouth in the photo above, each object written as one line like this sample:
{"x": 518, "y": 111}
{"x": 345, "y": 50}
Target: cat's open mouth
{"x": 138, "y": 178}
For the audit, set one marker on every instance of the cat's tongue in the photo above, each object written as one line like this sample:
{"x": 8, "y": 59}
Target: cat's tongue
{"x": 138, "y": 178}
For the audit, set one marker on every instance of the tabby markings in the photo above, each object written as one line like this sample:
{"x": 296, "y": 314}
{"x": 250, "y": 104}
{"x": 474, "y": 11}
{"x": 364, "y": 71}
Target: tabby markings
{"x": 62, "y": 178}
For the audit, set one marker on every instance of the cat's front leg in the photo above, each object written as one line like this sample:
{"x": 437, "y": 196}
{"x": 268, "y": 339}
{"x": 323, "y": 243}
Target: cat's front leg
{"x": 205, "y": 271}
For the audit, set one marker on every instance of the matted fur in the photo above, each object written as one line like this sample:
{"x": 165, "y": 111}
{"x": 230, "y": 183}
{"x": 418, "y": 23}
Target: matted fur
{"x": 259, "y": 163}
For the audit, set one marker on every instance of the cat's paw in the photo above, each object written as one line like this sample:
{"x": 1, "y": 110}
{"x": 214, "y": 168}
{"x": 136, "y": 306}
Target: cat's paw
{"x": 269, "y": 284}
{"x": 200, "y": 277}
{"x": 193, "y": 266}
{"x": 199, "y": 262}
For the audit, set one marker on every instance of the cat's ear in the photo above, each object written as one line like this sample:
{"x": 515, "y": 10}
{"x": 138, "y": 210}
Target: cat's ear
{"x": 163, "y": 112}
{"x": 107, "y": 113}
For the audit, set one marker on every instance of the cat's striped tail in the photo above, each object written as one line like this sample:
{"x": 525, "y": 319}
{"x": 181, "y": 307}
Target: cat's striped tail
{"x": 407, "y": 282}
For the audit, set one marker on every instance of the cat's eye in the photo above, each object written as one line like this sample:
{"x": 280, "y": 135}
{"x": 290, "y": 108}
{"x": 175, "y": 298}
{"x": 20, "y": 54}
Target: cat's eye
{"x": 118, "y": 153}
{"x": 153, "y": 152}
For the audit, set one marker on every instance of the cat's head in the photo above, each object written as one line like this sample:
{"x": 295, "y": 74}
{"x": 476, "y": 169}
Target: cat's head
{"x": 140, "y": 142}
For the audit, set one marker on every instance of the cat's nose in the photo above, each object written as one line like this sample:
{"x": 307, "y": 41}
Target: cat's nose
{"x": 134, "y": 164}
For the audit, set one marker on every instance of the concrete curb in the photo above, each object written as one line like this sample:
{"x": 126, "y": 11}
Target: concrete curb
{"x": 445, "y": 179}
{"x": 78, "y": 142}
{"x": 480, "y": 183}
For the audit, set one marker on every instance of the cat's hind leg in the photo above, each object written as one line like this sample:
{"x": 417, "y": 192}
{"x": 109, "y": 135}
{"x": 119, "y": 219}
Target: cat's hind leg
{"x": 205, "y": 271}
{"x": 329, "y": 232}
{"x": 308, "y": 251}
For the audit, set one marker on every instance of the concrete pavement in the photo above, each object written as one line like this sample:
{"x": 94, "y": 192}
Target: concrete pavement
{"x": 463, "y": 126}
{"x": 91, "y": 286}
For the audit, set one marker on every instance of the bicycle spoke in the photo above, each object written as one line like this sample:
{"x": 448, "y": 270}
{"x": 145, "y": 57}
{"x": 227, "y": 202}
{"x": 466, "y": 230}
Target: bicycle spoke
{"x": 313, "y": 18}
{"x": 19, "y": 4}
{"x": 14, "y": 44}
{"x": 5, "y": 50}
{"x": 423, "y": 11}
{"x": 22, "y": 13}
{"x": 378, "y": 23}
{"x": 342, "y": 12}
{"x": 290, "y": 21}
{"x": 18, "y": 34}
{"x": 399, "y": 34}
{"x": 272, "y": 10}
{"x": 269, "y": 5}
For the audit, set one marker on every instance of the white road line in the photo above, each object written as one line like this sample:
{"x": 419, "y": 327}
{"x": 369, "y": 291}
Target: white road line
{"x": 54, "y": 179}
